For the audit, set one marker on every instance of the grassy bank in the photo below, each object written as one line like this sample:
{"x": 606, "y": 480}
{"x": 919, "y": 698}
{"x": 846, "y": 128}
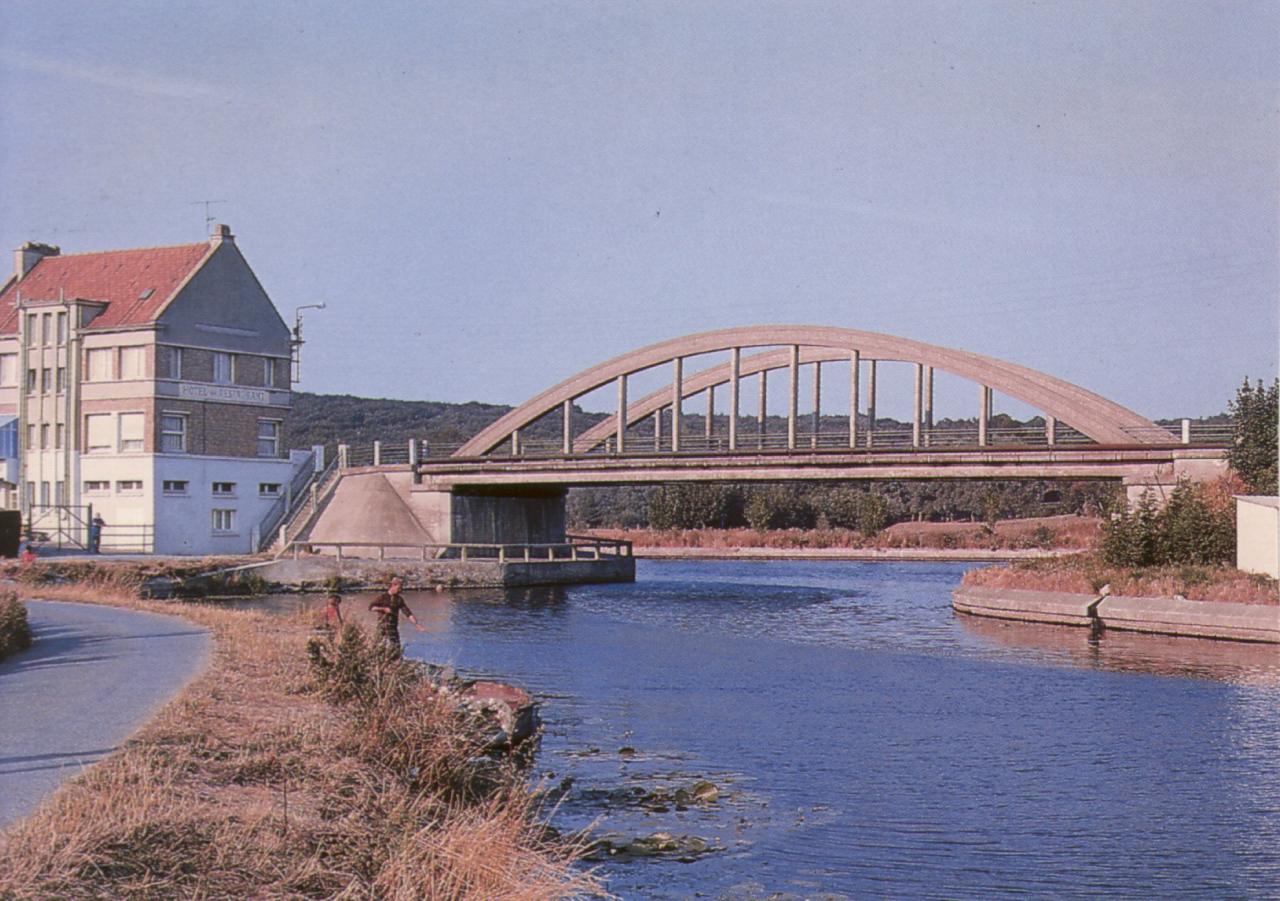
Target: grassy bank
{"x": 15, "y": 633}
{"x": 1043, "y": 533}
{"x": 1087, "y": 574}
{"x": 256, "y": 783}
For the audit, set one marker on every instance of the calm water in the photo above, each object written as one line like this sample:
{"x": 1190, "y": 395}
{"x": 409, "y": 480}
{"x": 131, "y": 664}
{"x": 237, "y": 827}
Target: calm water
{"x": 869, "y": 742}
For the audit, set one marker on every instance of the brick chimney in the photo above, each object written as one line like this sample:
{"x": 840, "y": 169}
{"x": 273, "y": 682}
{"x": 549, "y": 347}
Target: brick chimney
{"x": 222, "y": 235}
{"x": 29, "y": 254}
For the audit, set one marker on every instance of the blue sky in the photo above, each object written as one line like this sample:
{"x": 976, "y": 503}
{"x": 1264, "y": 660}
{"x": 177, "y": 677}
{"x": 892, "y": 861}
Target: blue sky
{"x": 492, "y": 196}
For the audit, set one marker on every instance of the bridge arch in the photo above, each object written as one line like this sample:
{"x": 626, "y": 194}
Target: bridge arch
{"x": 1098, "y": 418}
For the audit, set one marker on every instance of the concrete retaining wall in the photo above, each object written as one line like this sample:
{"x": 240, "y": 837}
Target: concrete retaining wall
{"x": 1163, "y": 616}
{"x": 1170, "y": 616}
{"x": 1026, "y": 606}
{"x": 312, "y": 572}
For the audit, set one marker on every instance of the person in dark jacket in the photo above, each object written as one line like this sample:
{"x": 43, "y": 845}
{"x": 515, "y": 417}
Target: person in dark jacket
{"x": 389, "y": 606}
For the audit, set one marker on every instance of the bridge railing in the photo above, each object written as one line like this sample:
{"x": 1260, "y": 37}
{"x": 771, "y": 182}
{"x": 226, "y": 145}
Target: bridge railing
{"x": 896, "y": 437}
{"x": 575, "y": 547}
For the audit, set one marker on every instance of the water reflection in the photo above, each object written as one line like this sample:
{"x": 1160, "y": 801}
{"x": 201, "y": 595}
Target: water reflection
{"x": 1164, "y": 655}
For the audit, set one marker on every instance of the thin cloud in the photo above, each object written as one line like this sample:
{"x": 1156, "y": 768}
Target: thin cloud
{"x": 138, "y": 82}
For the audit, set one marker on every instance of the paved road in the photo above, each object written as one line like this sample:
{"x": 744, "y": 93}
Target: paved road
{"x": 92, "y": 677}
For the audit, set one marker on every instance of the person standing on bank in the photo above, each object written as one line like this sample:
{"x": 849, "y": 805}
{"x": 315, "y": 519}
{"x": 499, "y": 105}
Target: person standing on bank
{"x": 389, "y": 605}
{"x": 95, "y": 533}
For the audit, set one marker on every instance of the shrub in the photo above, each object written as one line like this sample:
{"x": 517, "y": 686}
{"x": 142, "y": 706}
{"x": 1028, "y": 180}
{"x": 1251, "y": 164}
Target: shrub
{"x": 1193, "y": 528}
{"x": 15, "y": 631}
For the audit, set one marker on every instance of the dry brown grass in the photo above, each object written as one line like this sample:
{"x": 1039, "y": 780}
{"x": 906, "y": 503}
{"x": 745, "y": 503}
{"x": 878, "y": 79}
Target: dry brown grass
{"x": 1086, "y": 574}
{"x": 250, "y": 785}
{"x": 1050, "y": 532}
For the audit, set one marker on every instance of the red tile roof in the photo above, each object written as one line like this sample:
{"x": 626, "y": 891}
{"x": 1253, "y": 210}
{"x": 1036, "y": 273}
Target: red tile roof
{"x": 118, "y": 277}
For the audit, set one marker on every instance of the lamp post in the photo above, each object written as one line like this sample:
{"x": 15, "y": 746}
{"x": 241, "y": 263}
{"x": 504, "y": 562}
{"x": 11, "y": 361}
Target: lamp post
{"x": 296, "y": 342}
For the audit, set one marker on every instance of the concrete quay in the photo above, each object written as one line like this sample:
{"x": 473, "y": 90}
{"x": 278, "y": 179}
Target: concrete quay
{"x": 1161, "y": 616}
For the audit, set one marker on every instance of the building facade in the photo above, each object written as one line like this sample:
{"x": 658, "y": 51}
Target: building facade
{"x": 150, "y": 387}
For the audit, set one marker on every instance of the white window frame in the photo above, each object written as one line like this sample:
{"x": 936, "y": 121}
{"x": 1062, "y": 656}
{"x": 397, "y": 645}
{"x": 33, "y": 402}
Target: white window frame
{"x": 166, "y": 433}
{"x": 108, "y": 433}
{"x": 62, "y": 329}
{"x": 224, "y": 360}
{"x": 265, "y": 489}
{"x": 33, "y": 325}
{"x": 97, "y": 486}
{"x": 136, "y": 354}
{"x": 268, "y": 372}
{"x": 128, "y": 486}
{"x": 135, "y": 445}
{"x": 170, "y": 489}
{"x": 277, "y": 427}
{"x": 229, "y": 492}
{"x": 224, "y": 521}
{"x": 104, "y": 356}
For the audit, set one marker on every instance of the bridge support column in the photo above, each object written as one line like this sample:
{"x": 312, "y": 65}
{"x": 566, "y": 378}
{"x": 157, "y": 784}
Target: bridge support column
{"x": 622, "y": 414}
{"x": 817, "y": 403}
{"x": 928, "y": 404}
{"x": 677, "y": 401}
{"x": 567, "y": 442}
{"x": 763, "y": 410}
{"x": 917, "y": 404}
{"x": 1050, "y": 431}
{"x": 515, "y": 443}
{"x": 871, "y": 402}
{"x": 735, "y": 367}
{"x": 855, "y": 364}
{"x": 711, "y": 413}
{"x": 377, "y": 453}
{"x": 984, "y": 413}
{"x": 657, "y": 429}
{"x": 793, "y": 402}
{"x": 1186, "y": 431}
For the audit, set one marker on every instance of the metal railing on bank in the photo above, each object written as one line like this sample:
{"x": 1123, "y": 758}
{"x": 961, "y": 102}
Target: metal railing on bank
{"x": 574, "y": 547}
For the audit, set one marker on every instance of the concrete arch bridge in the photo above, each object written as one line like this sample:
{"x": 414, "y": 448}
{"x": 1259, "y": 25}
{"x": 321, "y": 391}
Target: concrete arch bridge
{"x": 504, "y": 486}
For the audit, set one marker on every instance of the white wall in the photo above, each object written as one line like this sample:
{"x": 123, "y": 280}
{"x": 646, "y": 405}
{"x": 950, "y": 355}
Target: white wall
{"x": 1258, "y": 535}
{"x": 184, "y": 524}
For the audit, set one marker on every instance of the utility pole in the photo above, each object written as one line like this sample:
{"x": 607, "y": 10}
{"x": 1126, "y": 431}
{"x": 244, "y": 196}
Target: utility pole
{"x": 295, "y": 344}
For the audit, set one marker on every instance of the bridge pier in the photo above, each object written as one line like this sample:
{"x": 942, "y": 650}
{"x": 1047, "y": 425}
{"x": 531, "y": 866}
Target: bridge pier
{"x": 871, "y": 402}
{"x": 677, "y": 401}
{"x": 817, "y": 403}
{"x": 855, "y": 364}
{"x": 735, "y": 368}
{"x": 793, "y": 400}
{"x": 622, "y": 414}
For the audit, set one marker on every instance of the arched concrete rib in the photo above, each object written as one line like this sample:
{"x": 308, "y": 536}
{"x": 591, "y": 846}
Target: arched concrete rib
{"x": 1100, "y": 419}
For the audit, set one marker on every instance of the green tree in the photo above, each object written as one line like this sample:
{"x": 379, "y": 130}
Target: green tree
{"x": 1191, "y": 530}
{"x": 1253, "y": 452}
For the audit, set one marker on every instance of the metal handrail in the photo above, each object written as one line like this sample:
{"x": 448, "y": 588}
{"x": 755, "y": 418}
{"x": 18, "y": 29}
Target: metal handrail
{"x": 575, "y": 547}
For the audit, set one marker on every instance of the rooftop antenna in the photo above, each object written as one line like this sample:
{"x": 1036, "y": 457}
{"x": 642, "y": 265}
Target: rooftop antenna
{"x": 208, "y": 219}
{"x": 295, "y": 344}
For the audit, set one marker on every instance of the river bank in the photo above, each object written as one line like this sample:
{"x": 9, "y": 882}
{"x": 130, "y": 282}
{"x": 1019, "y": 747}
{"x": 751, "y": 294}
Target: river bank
{"x": 252, "y": 784}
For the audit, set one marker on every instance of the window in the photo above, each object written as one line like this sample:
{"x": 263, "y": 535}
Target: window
{"x": 59, "y": 493}
{"x": 31, "y": 436}
{"x": 99, "y": 437}
{"x": 95, "y": 487}
{"x": 46, "y": 380}
{"x": 223, "y": 368}
{"x": 8, "y": 370}
{"x": 31, "y": 381}
{"x": 269, "y": 489}
{"x": 174, "y": 355}
{"x": 175, "y": 486}
{"x": 132, "y": 362}
{"x": 268, "y": 373}
{"x": 224, "y": 489}
{"x": 224, "y": 520}
{"x": 62, "y": 379}
{"x": 268, "y": 437}
{"x": 32, "y": 325}
{"x": 98, "y": 364}
{"x": 129, "y": 486}
{"x": 131, "y": 426}
{"x": 46, "y": 329}
{"x": 44, "y": 436}
{"x": 31, "y": 493}
{"x": 59, "y": 436}
{"x": 44, "y": 494}
{"x": 62, "y": 328}
{"x": 173, "y": 433}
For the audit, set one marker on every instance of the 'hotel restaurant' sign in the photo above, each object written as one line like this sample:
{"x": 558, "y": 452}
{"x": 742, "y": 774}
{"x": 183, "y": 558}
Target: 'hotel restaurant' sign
{"x": 224, "y": 393}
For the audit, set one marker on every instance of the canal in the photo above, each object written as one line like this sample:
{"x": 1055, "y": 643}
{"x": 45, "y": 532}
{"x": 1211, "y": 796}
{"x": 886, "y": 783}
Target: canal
{"x": 865, "y": 741}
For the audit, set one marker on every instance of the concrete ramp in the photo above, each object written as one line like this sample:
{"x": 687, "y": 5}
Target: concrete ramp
{"x": 366, "y": 507}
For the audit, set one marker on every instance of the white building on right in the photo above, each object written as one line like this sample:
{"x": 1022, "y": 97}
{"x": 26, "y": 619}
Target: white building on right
{"x": 1258, "y": 534}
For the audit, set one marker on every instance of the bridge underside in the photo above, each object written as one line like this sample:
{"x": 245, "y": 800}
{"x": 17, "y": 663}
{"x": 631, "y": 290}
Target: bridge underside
{"x": 1134, "y": 465}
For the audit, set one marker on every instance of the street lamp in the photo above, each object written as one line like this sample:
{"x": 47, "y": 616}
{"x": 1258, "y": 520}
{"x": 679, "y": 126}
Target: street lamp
{"x": 295, "y": 344}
